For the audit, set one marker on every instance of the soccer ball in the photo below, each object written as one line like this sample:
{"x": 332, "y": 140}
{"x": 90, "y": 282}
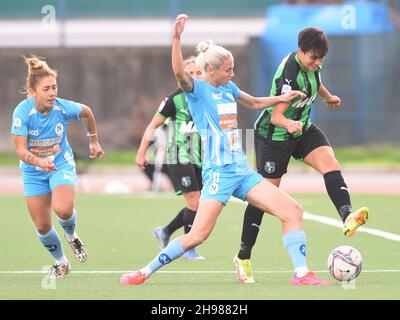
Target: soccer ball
{"x": 344, "y": 263}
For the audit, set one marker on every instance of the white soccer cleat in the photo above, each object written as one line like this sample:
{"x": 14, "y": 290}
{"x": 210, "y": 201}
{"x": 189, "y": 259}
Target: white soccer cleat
{"x": 78, "y": 248}
{"x": 59, "y": 271}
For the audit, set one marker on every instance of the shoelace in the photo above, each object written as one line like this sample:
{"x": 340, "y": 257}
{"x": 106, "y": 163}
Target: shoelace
{"x": 77, "y": 245}
{"x": 247, "y": 268}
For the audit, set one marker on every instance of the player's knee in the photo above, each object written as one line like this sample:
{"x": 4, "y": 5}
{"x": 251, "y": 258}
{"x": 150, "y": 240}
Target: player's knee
{"x": 297, "y": 212}
{"x": 64, "y": 212}
{"x": 192, "y": 201}
{"x": 193, "y": 205}
{"x": 43, "y": 228}
{"x": 294, "y": 214}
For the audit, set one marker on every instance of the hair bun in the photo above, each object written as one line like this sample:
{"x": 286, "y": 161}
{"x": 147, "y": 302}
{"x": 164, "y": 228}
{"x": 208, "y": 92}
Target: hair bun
{"x": 34, "y": 63}
{"x": 203, "y": 46}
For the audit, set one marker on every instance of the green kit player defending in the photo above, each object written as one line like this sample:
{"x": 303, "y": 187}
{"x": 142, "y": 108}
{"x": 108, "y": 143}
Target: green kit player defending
{"x": 286, "y": 130}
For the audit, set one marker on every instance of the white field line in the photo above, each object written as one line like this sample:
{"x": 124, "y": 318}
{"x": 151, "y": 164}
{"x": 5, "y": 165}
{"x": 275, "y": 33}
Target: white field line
{"x": 339, "y": 224}
{"x": 184, "y": 272}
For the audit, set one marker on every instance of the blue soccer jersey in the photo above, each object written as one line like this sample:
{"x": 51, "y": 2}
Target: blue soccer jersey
{"x": 46, "y": 134}
{"x": 214, "y": 112}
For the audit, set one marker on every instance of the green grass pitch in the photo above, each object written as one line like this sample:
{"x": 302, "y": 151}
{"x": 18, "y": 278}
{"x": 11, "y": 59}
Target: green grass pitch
{"x": 118, "y": 232}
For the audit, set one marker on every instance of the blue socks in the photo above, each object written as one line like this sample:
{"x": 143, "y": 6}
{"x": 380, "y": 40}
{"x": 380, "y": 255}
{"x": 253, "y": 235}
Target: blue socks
{"x": 295, "y": 244}
{"x": 52, "y": 242}
{"x": 173, "y": 251}
{"x": 69, "y": 225}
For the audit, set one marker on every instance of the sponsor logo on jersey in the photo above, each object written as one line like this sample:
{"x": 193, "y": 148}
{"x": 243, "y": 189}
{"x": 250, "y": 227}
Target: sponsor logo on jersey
{"x": 186, "y": 182}
{"x": 216, "y": 96}
{"x": 33, "y": 132}
{"x": 228, "y": 122}
{"x": 227, "y": 108}
{"x": 44, "y": 142}
{"x": 59, "y": 129}
{"x": 43, "y": 152}
{"x": 187, "y": 127}
{"x": 17, "y": 124}
{"x": 269, "y": 166}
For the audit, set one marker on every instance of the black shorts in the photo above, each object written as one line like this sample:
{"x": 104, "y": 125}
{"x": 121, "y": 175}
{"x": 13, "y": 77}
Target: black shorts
{"x": 185, "y": 177}
{"x": 273, "y": 156}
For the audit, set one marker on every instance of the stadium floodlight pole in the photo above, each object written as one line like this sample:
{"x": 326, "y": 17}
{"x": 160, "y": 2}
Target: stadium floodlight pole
{"x": 62, "y": 7}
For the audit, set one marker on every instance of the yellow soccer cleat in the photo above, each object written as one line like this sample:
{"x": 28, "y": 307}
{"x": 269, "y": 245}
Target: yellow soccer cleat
{"x": 354, "y": 220}
{"x": 243, "y": 269}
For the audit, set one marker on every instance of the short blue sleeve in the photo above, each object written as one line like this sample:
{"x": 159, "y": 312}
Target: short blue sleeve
{"x": 19, "y": 125}
{"x": 71, "y": 108}
{"x": 198, "y": 86}
{"x": 235, "y": 90}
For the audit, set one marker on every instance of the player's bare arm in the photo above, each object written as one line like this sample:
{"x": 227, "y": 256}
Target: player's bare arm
{"x": 330, "y": 100}
{"x": 256, "y": 103}
{"x": 278, "y": 119}
{"x": 94, "y": 146}
{"x": 184, "y": 79}
{"x": 28, "y": 157}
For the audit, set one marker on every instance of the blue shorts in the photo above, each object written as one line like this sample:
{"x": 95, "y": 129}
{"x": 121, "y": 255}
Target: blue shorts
{"x": 236, "y": 179}
{"x": 41, "y": 182}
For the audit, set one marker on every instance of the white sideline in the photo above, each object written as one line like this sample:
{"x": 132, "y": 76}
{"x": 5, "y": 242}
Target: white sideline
{"x": 182, "y": 271}
{"x": 339, "y": 224}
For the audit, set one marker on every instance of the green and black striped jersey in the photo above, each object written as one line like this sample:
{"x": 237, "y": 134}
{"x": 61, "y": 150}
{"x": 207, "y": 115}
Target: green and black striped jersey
{"x": 290, "y": 76}
{"x": 183, "y": 142}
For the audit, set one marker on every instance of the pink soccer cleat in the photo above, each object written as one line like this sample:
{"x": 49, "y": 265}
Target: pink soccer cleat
{"x": 309, "y": 279}
{"x": 133, "y": 278}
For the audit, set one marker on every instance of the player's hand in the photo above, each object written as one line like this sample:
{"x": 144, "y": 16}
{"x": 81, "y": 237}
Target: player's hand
{"x": 141, "y": 161}
{"x": 289, "y": 96}
{"x": 95, "y": 150}
{"x": 179, "y": 25}
{"x": 294, "y": 126}
{"x": 333, "y": 101}
{"x": 47, "y": 165}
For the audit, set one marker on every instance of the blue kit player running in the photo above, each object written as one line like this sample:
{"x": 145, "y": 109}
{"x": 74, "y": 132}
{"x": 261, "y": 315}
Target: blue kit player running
{"x": 225, "y": 172}
{"x": 39, "y": 129}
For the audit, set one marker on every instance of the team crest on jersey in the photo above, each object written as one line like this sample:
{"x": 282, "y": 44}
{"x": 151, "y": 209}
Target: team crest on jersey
{"x": 17, "y": 124}
{"x": 59, "y": 129}
{"x": 213, "y": 189}
{"x": 269, "y": 166}
{"x": 186, "y": 182}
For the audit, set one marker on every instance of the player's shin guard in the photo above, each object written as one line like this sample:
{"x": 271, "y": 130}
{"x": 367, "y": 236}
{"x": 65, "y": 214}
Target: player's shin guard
{"x": 188, "y": 218}
{"x": 337, "y": 191}
{"x": 175, "y": 223}
{"x": 295, "y": 244}
{"x": 173, "y": 251}
{"x": 52, "y": 243}
{"x": 69, "y": 225}
{"x": 251, "y": 226}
